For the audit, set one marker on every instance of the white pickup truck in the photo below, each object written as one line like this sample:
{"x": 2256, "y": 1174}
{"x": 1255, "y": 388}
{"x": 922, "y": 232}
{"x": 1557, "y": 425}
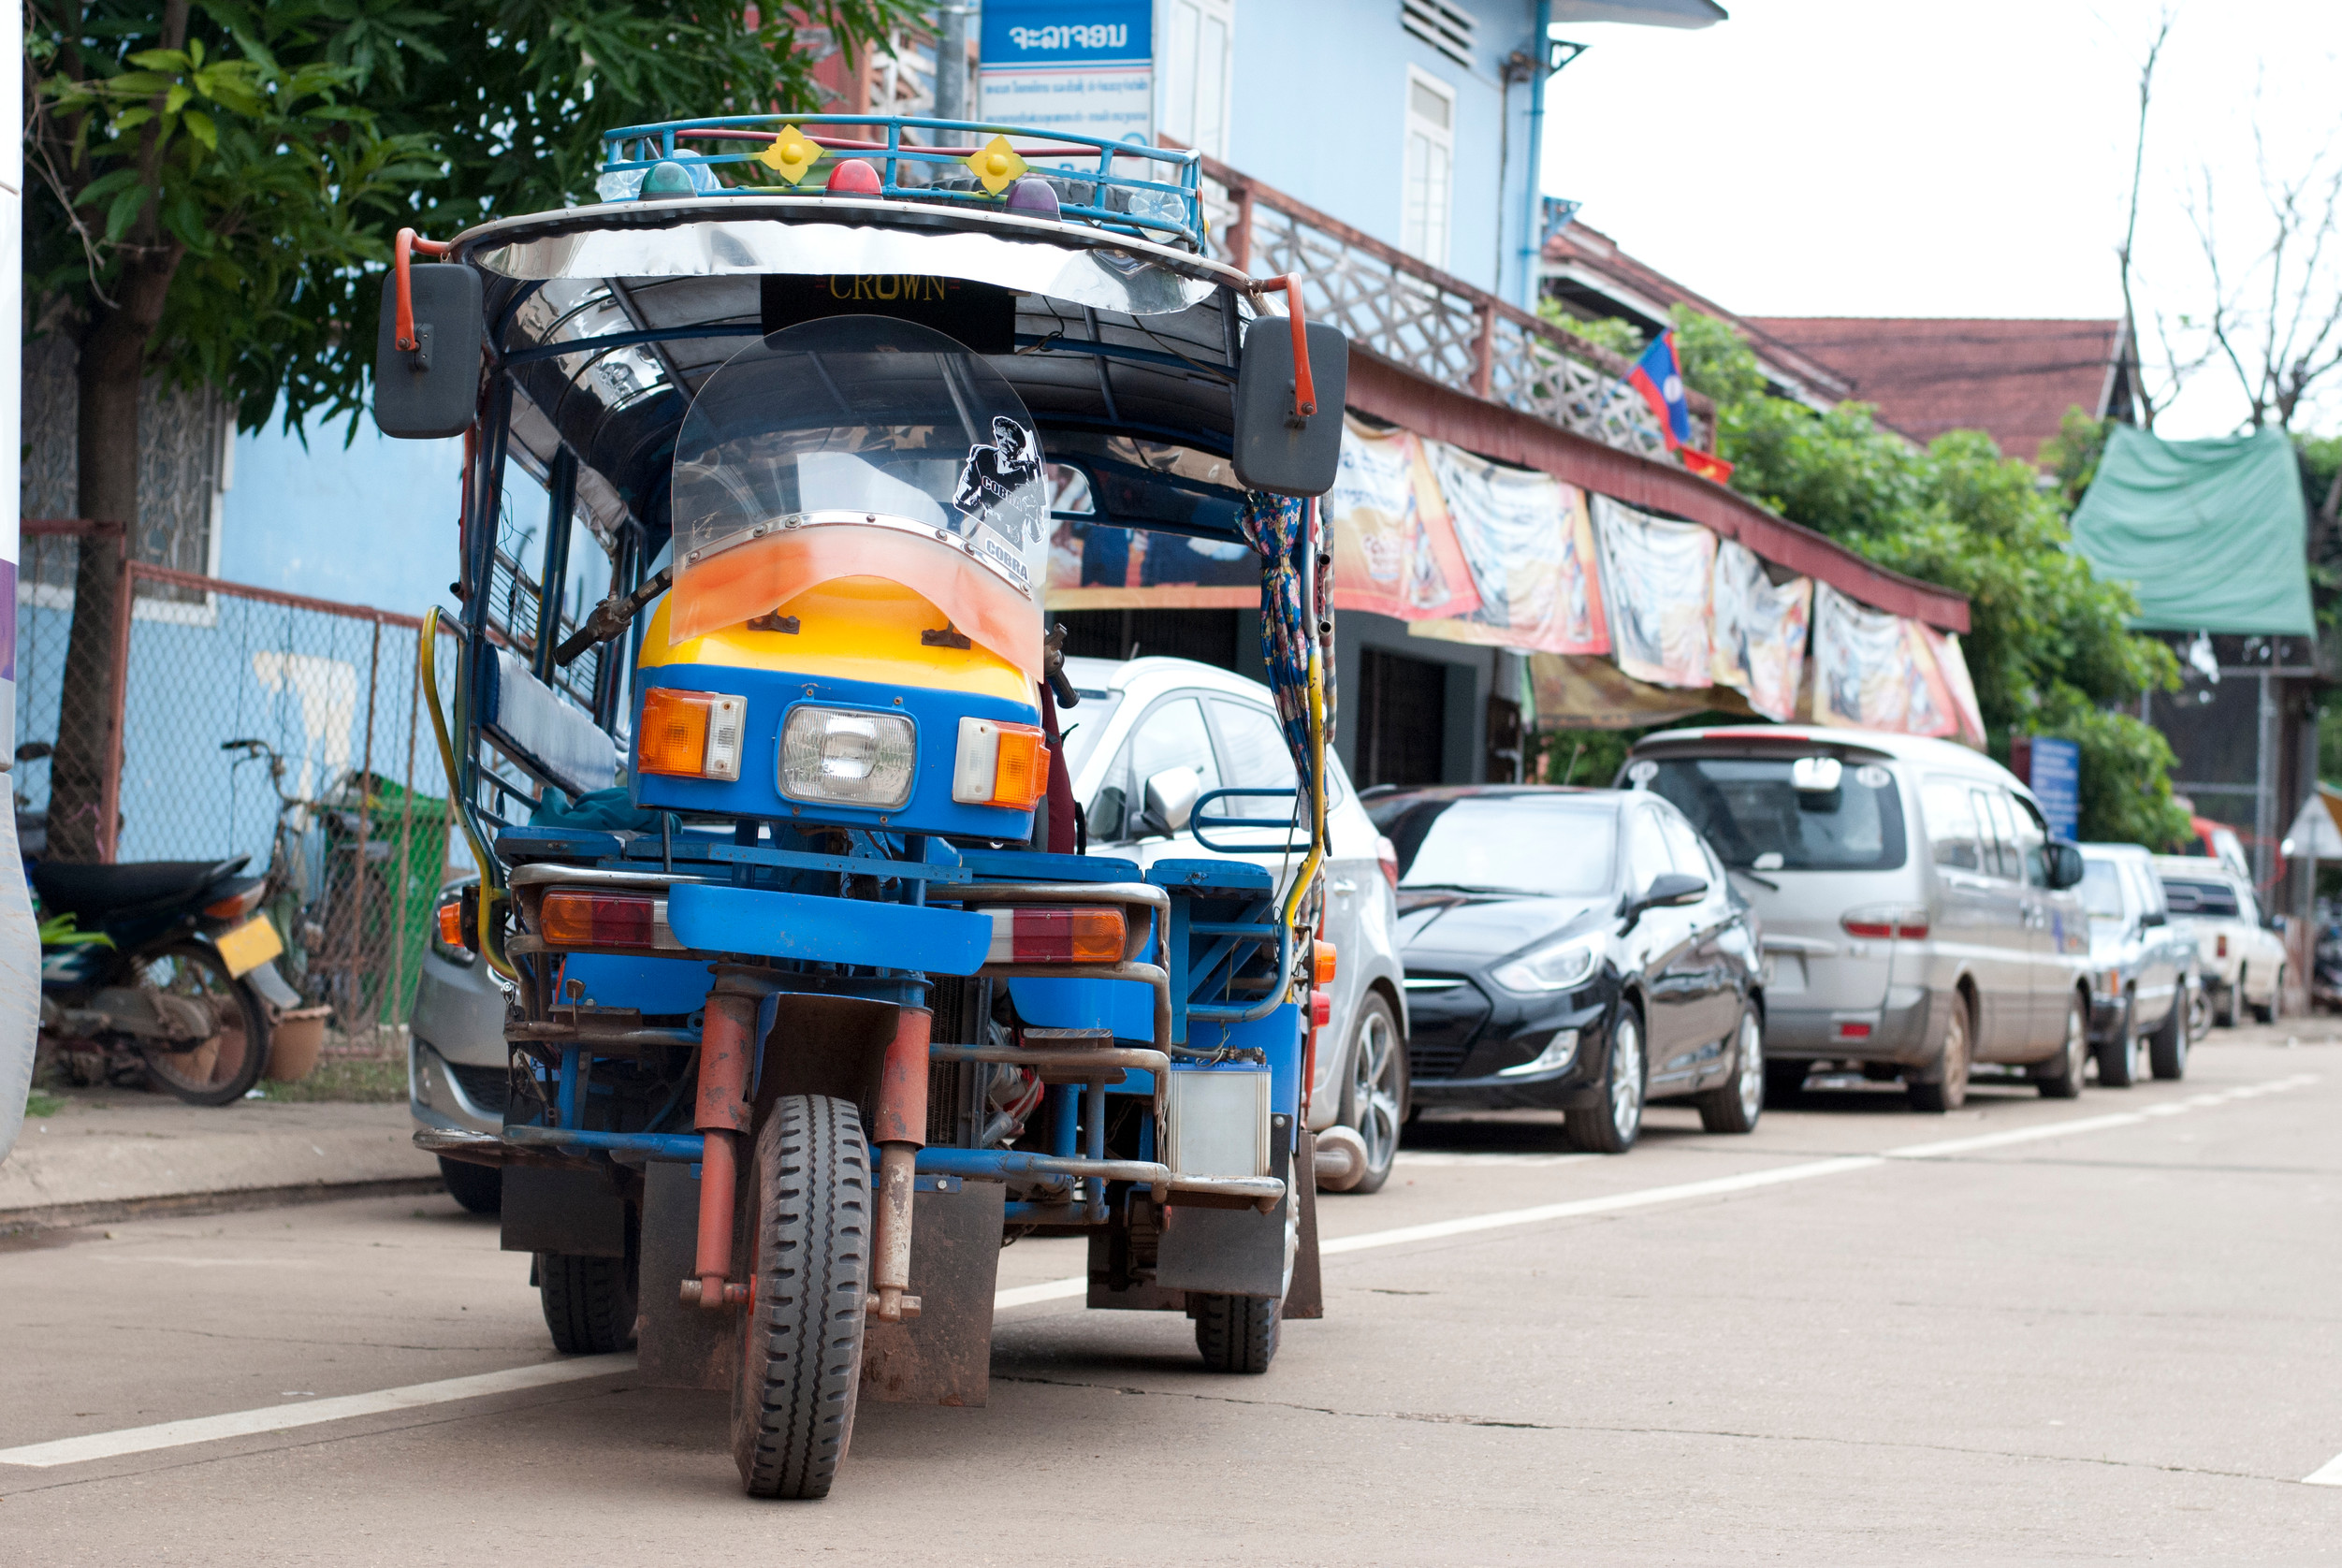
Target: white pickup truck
{"x": 2241, "y": 960}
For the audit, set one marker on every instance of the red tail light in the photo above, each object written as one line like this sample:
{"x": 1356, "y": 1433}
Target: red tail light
{"x": 1854, "y": 1031}
{"x": 578, "y": 918}
{"x": 1875, "y": 928}
{"x": 1320, "y": 1009}
{"x": 1060, "y": 935}
{"x": 2223, "y": 947}
{"x": 236, "y": 906}
{"x": 1387, "y": 853}
{"x": 1878, "y": 924}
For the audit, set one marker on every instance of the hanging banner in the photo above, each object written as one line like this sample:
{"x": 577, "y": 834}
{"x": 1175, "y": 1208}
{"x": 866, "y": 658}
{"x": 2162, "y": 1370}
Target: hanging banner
{"x": 1874, "y": 671}
{"x": 1584, "y": 693}
{"x": 1760, "y": 630}
{"x": 1952, "y": 666}
{"x": 1086, "y": 66}
{"x": 1655, "y": 580}
{"x": 1531, "y": 547}
{"x": 1395, "y": 551}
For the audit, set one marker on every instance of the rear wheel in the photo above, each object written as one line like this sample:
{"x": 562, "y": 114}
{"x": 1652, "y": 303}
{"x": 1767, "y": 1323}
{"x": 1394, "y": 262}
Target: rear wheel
{"x": 1611, "y": 1127}
{"x": 2122, "y": 1060}
{"x": 2225, "y": 1010}
{"x": 591, "y": 1303}
{"x": 224, "y": 1066}
{"x": 809, "y": 1238}
{"x": 2267, "y": 1011}
{"x": 2074, "y": 1057}
{"x": 1949, "y": 1089}
{"x": 1734, "y": 1105}
{"x": 1236, "y": 1333}
{"x": 1374, "y": 1095}
{"x": 2167, "y": 1048}
{"x": 479, "y": 1189}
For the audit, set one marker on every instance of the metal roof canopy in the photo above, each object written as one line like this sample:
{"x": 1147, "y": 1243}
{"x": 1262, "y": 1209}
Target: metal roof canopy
{"x": 2209, "y": 534}
{"x": 1642, "y": 13}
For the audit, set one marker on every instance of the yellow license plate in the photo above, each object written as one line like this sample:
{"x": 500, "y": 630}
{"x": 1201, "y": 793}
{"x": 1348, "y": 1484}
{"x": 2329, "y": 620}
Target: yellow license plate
{"x": 249, "y": 946}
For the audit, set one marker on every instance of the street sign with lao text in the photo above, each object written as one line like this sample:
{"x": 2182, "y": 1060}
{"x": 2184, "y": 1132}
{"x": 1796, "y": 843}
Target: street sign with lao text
{"x": 1084, "y": 66}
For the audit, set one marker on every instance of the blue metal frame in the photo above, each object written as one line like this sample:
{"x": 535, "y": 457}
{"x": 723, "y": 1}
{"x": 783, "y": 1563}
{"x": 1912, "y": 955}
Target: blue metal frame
{"x": 894, "y": 153}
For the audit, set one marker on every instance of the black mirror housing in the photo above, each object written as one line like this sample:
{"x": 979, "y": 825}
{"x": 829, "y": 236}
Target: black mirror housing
{"x": 2065, "y": 866}
{"x": 1671, "y": 890}
{"x": 432, "y": 390}
{"x": 1275, "y": 449}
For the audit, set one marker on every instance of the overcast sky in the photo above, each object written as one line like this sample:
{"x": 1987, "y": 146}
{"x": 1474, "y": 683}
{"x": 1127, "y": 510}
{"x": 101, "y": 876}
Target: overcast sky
{"x": 1889, "y": 157}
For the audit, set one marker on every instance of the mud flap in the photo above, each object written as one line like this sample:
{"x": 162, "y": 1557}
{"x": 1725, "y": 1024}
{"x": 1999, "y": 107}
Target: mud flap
{"x": 1229, "y": 1252}
{"x": 551, "y": 1210}
{"x": 944, "y": 1355}
{"x": 1307, "y": 1296}
{"x": 679, "y": 1346}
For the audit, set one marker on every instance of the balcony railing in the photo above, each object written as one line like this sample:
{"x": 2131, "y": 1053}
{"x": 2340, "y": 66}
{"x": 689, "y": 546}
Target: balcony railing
{"x": 1431, "y": 323}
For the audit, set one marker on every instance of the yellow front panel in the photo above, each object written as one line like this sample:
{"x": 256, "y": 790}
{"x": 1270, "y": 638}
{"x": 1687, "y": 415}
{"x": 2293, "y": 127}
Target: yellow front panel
{"x": 850, "y": 628}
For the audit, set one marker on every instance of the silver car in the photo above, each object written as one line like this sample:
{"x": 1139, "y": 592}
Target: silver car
{"x": 2139, "y": 965}
{"x": 1918, "y": 919}
{"x": 458, "y": 1072}
{"x": 1151, "y": 737}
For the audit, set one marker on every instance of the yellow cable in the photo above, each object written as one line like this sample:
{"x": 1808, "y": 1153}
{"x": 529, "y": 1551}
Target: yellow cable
{"x": 491, "y": 878}
{"x": 1302, "y": 883}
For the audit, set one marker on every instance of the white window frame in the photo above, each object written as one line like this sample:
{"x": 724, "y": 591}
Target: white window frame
{"x": 1173, "y": 119}
{"x": 1422, "y": 243}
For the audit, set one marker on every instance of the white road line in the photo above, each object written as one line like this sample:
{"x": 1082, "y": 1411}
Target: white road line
{"x": 2015, "y": 1135}
{"x": 2326, "y": 1475}
{"x": 245, "y": 1423}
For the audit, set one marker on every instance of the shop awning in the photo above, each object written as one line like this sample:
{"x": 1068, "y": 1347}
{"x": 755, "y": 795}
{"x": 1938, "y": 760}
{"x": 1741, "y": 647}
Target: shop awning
{"x": 2208, "y": 533}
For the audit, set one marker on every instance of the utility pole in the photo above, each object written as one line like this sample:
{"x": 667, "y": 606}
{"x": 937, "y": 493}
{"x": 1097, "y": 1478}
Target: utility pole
{"x": 951, "y": 65}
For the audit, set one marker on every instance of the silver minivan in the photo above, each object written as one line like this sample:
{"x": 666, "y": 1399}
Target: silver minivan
{"x": 1918, "y": 919}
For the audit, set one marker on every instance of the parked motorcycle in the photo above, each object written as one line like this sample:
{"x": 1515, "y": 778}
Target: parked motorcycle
{"x": 160, "y": 966}
{"x": 2325, "y": 976}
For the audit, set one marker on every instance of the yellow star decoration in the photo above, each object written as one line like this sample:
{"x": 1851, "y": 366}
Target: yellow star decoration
{"x": 791, "y": 156}
{"x": 995, "y": 165}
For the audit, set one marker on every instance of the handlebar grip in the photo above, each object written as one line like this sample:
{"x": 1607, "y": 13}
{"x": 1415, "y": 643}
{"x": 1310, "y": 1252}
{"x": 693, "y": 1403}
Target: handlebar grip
{"x": 1061, "y": 687}
{"x": 579, "y": 641}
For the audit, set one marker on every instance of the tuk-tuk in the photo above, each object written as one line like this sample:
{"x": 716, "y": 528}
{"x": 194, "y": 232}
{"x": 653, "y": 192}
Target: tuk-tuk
{"x": 816, "y": 999}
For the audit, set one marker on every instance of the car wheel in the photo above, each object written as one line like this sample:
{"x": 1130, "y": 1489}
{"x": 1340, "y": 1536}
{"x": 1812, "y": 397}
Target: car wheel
{"x": 2073, "y": 1058}
{"x": 2267, "y": 1012}
{"x": 1611, "y": 1127}
{"x": 2199, "y": 1013}
{"x": 2122, "y": 1060}
{"x": 480, "y": 1188}
{"x": 1375, "y": 1093}
{"x": 2224, "y": 1012}
{"x": 2167, "y": 1048}
{"x": 1949, "y": 1090}
{"x": 1734, "y": 1105}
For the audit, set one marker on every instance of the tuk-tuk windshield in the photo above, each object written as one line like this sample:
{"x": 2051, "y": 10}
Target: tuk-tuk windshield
{"x": 861, "y": 446}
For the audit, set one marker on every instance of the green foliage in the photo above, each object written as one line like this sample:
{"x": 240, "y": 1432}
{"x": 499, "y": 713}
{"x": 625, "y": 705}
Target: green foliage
{"x": 2071, "y": 456}
{"x": 1614, "y": 333}
{"x": 2047, "y": 650}
{"x": 284, "y": 144}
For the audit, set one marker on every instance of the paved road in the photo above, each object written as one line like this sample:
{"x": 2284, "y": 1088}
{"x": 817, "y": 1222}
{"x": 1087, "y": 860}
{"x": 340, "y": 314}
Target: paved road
{"x": 1860, "y": 1336}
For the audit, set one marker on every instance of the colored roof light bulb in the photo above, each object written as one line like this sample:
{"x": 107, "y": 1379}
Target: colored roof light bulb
{"x": 1034, "y": 197}
{"x": 995, "y": 165}
{"x": 792, "y": 155}
{"x": 853, "y": 176}
{"x": 667, "y": 178}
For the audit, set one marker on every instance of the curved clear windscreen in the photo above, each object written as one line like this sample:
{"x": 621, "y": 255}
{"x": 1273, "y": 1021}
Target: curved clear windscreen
{"x": 854, "y": 442}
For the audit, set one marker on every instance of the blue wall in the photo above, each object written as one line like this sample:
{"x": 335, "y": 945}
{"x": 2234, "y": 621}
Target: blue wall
{"x": 1320, "y": 111}
{"x": 372, "y": 523}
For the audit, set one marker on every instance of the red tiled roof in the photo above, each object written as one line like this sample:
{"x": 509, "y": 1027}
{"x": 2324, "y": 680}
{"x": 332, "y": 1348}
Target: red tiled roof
{"x": 2012, "y": 380}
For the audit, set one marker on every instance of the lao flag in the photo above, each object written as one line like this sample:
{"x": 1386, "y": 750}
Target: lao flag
{"x": 1660, "y": 380}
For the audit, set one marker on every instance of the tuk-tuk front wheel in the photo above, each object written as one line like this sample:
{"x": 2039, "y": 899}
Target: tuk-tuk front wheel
{"x": 1236, "y": 1333}
{"x": 809, "y": 1224}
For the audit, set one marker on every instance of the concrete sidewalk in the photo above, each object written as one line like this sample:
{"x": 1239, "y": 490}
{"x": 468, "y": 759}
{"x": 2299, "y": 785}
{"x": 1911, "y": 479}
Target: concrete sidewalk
{"x": 111, "y": 1153}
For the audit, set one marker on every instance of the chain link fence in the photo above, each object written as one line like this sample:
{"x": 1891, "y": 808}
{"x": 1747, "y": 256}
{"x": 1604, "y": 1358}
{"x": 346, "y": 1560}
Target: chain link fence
{"x": 288, "y": 731}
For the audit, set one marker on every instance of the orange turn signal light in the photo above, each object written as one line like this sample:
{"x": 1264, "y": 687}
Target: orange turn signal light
{"x": 689, "y": 734}
{"x": 1321, "y": 961}
{"x": 1001, "y": 765}
{"x": 1056, "y": 935}
{"x": 451, "y": 923}
{"x": 236, "y": 906}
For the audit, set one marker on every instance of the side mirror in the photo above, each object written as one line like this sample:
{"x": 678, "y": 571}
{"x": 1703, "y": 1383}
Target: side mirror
{"x": 1170, "y": 801}
{"x": 1669, "y": 890}
{"x": 1277, "y": 449}
{"x": 2065, "y": 866}
{"x": 433, "y": 389}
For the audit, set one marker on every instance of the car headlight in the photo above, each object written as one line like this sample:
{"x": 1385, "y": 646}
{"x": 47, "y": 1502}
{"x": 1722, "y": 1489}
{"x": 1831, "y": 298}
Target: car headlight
{"x": 1551, "y": 968}
{"x": 849, "y": 756}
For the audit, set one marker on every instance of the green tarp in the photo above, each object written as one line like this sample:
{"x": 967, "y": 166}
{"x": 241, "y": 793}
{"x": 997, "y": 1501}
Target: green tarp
{"x": 2208, "y": 533}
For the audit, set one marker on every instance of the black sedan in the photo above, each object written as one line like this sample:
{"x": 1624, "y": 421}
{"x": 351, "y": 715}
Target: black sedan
{"x": 1576, "y": 950}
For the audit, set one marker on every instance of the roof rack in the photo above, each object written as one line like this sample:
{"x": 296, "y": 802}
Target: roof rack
{"x": 1085, "y": 185}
